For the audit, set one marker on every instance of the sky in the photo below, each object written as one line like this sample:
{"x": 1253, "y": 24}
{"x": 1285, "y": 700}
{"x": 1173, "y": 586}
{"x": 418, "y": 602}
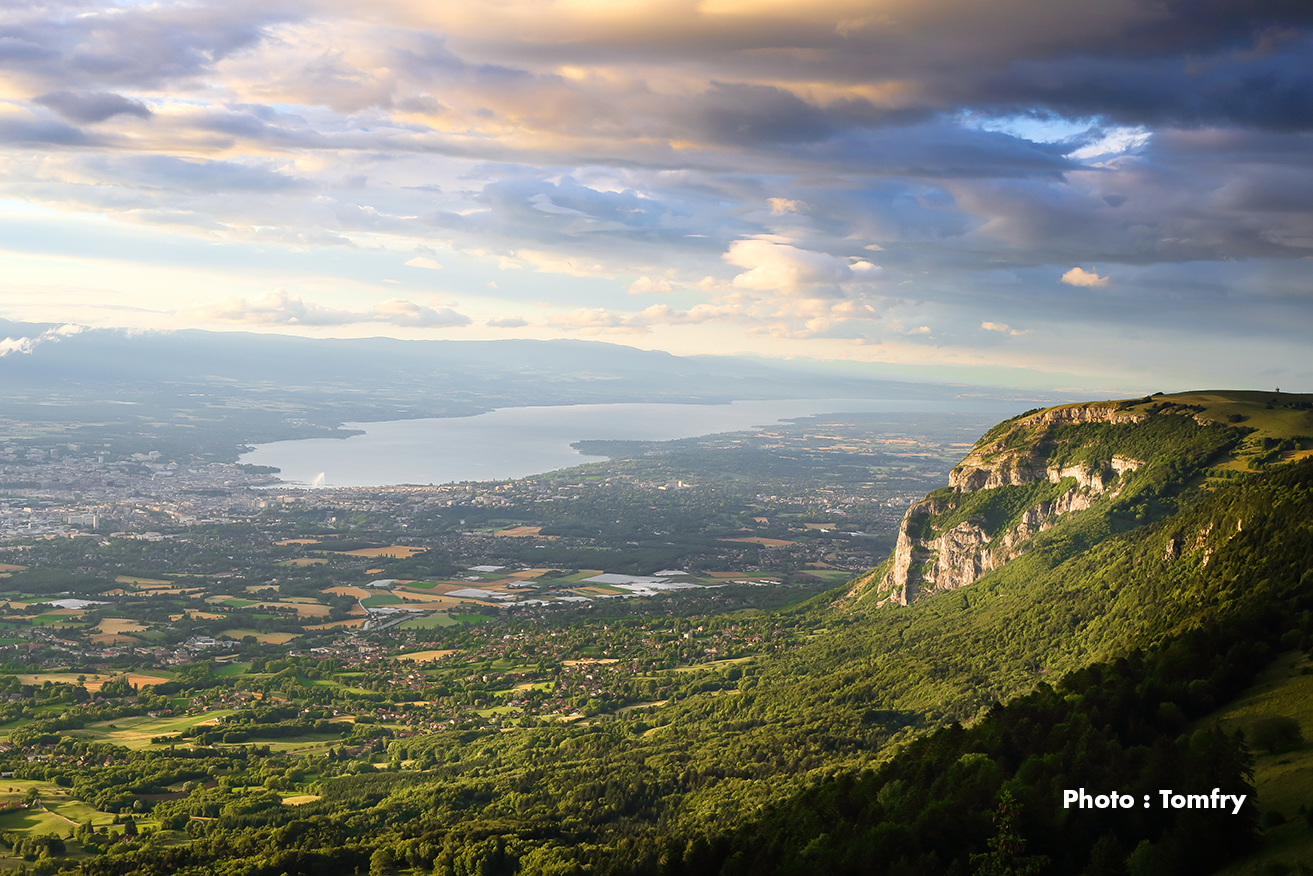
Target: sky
{"x": 1055, "y": 194}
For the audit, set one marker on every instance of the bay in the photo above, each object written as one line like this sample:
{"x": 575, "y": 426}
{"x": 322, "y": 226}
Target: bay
{"x": 517, "y": 442}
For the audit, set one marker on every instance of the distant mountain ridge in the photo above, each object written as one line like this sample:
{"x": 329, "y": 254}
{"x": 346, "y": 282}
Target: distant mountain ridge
{"x": 508, "y": 371}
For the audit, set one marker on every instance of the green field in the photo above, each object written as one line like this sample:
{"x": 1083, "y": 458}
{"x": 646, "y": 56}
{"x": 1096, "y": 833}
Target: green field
{"x": 311, "y": 743}
{"x": 235, "y": 601}
{"x": 1250, "y": 410}
{"x": 578, "y": 576}
{"x": 56, "y": 620}
{"x": 433, "y": 621}
{"x": 136, "y": 733}
{"x": 829, "y": 574}
{"x": 76, "y": 810}
{"x": 1284, "y": 781}
{"x": 38, "y": 821}
{"x": 16, "y": 789}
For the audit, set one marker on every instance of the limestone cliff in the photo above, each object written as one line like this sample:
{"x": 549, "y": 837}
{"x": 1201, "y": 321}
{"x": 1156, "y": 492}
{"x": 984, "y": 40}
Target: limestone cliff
{"x": 1087, "y": 472}
{"x": 937, "y": 551}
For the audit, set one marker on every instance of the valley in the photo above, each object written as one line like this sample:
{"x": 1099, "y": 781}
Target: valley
{"x": 653, "y": 664}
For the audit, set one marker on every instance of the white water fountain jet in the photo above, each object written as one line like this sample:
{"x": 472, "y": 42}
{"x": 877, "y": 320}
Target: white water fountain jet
{"x": 318, "y": 481}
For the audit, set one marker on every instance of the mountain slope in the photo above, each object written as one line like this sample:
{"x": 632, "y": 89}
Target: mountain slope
{"x": 1153, "y": 627}
{"x": 1123, "y": 463}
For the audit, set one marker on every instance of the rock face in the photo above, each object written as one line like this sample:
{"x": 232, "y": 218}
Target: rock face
{"x": 927, "y": 561}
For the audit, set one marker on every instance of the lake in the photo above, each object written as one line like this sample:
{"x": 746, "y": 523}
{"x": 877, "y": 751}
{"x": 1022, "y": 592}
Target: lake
{"x": 517, "y": 442}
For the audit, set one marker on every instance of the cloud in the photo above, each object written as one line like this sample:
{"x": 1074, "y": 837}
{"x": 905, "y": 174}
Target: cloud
{"x": 27, "y": 345}
{"x": 1004, "y": 328}
{"x": 776, "y": 318}
{"x": 648, "y": 286}
{"x": 708, "y": 149}
{"x": 757, "y": 114}
{"x": 595, "y": 320}
{"x": 780, "y": 206}
{"x": 204, "y": 177}
{"x": 424, "y": 262}
{"x": 782, "y": 267}
{"x": 1080, "y": 277}
{"x": 400, "y": 312}
{"x": 558, "y": 263}
{"x": 281, "y": 308}
{"x": 1237, "y": 86}
{"x": 16, "y": 345}
{"x": 26, "y": 131}
{"x": 94, "y": 107}
{"x": 507, "y": 322}
{"x": 139, "y": 46}
{"x": 278, "y": 307}
{"x": 598, "y": 320}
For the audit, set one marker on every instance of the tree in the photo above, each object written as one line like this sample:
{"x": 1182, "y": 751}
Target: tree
{"x": 1007, "y": 848}
{"x": 1276, "y": 733}
{"x": 381, "y": 862}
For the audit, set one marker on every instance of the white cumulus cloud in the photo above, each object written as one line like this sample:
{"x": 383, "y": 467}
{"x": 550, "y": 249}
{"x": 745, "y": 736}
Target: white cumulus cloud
{"x": 1080, "y": 277}
{"x": 774, "y": 266}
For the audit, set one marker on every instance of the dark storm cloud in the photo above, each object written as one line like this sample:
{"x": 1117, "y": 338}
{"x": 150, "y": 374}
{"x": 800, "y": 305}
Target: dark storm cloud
{"x": 1273, "y": 92}
{"x": 95, "y": 107}
{"x": 1189, "y": 62}
{"x": 1194, "y": 25}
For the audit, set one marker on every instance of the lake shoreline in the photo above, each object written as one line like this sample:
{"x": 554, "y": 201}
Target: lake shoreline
{"x": 515, "y": 442}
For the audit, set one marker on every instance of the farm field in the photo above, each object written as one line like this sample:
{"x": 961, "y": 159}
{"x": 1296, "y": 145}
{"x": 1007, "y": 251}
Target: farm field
{"x": 265, "y": 638}
{"x": 136, "y": 733}
{"x": 92, "y": 682}
{"x": 346, "y": 623}
{"x": 438, "y": 620}
{"x": 113, "y": 625}
{"x": 427, "y": 656}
